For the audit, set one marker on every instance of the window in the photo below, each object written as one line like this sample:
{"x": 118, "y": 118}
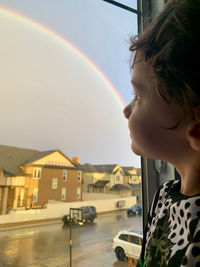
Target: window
{"x": 64, "y": 175}
{"x": 85, "y": 209}
{"x": 134, "y": 178}
{"x": 63, "y": 194}
{"x": 54, "y": 183}
{"x": 78, "y": 193}
{"x": 37, "y": 173}
{"x": 134, "y": 239}
{"x": 118, "y": 178}
{"x": 123, "y": 237}
{"x": 35, "y": 195}
{"x": 79, "y": 176}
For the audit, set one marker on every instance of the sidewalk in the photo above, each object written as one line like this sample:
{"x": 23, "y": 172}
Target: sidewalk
{"x": 98, "y": 255}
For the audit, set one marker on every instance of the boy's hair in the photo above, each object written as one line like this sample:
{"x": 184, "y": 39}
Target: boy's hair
{"x": 171, "y": 46}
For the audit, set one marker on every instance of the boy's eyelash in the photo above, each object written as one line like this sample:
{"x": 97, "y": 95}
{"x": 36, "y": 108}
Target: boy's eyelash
{"x": 133, "y": 93}
{"x": 135, "y": 96}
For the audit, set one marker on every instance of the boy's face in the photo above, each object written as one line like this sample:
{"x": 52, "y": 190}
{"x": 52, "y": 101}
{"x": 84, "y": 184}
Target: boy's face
{"x": 149, "y": 115}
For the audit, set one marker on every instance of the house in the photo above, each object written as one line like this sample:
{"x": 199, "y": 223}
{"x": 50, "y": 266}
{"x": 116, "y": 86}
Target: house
{"x": 107, "y": 178}
{"x": 132, "y": 178}
{"x": 30, "y": 178}
{"x": 121, "y": 190}
{"x": 132, "y": 175}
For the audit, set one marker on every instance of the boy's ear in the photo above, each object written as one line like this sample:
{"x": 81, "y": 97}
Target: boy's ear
{"x": 194, "y": 136}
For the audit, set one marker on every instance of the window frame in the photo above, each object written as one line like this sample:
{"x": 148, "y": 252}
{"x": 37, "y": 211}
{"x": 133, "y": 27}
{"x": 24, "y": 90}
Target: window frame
{"x": 37, "y": 173}
{"x": 78, "y": 193}
{"x": 79, "y": 176}
{"x": 63, "y": 194}
{"x": 35, "y": 195}
{"x": 64, "y": 175}
{"x": 53, "y": 183}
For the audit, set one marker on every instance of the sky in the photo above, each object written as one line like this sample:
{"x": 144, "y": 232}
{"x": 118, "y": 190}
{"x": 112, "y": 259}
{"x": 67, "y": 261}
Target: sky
{"x": 65, "y": 77}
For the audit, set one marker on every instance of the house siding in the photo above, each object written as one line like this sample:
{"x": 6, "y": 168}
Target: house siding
{"x": 46, "y": 192}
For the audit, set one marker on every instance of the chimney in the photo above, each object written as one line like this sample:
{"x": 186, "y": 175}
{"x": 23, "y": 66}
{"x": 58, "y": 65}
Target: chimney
{"x": 76, "y": 159}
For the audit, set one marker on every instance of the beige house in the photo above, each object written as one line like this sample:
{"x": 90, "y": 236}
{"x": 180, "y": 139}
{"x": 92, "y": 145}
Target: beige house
{"x": 30, "y": 178}
{"x": 104, "y": 179}
{"x": 132, "y": 178}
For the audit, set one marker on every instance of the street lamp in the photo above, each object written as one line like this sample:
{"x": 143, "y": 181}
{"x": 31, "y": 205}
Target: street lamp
{"x": 75, "y": 217}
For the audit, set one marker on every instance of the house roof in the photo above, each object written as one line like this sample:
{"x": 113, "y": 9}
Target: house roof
{"x": 127, "y": 169}
{"x": 118, "y": 187}
{"x": 108, "y": 168}
{"x": 136, "y": 186}
{"x": 101, "y": 183}
{"x": 12, "y": 157}
{"x": 37, "y": 156}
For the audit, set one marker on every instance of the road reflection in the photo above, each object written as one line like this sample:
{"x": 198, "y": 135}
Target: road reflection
{"x": 24, "y": 246}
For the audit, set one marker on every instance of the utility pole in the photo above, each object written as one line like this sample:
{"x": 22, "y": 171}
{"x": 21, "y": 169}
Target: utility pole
{"x": 70, "y": 239}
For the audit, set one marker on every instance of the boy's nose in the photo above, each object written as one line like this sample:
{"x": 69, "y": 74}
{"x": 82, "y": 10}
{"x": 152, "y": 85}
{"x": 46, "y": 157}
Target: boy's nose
{"x": 127, "y": 111}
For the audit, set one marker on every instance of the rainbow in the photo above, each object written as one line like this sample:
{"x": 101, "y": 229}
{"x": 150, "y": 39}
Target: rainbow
{"x": 69, "y": 45}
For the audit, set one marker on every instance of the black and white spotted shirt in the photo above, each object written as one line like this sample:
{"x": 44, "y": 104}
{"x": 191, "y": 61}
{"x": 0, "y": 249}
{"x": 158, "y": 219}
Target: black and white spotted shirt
{"x": 172, "y": 235}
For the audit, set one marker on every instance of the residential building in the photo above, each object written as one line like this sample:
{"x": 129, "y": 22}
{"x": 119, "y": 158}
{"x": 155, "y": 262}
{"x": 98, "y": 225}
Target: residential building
{"x": 30, "y": 178}
{"x": 132, "y": 178}
{"x": 107, "y": 178}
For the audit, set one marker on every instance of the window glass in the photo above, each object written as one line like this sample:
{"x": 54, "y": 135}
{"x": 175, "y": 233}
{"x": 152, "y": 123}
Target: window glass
{"x": 79, "y": 176}
{"x": 123, "y": 237}
{"x": 54, "y": 183}
{"x": 78, "y": 193}
{"x": 37, "y": 173}
{"x": 63, "y": 194}
{"x": 35, "y": 195}
{"x": 64, "y": 175}
{"x": 134, "y": 239}
{"x": 65, "y": 73}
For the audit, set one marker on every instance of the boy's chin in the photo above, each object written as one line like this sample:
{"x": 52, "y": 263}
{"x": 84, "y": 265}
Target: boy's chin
{"x": 136, "y": 150}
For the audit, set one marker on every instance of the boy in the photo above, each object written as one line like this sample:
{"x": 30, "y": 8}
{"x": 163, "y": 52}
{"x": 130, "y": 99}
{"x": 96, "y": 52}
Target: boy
{"x": 164, "y": 123}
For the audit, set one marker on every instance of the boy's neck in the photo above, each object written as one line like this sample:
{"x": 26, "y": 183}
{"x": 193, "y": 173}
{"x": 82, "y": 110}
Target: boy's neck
{"x": 190, "y": 182}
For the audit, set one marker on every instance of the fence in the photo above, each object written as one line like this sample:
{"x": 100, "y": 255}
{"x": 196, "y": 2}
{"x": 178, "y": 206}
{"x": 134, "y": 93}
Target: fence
{"x": 56, "y": 210}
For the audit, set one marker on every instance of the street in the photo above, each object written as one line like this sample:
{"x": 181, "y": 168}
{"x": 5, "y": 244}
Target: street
{"x": 33, "y": 244}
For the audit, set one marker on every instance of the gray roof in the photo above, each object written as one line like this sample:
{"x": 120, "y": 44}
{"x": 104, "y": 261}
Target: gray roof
{"x": 101, "y": 183}
{"x": 108, "y": 168}
{"x": 118, "y": 187}
{"x": 12, "y": 157}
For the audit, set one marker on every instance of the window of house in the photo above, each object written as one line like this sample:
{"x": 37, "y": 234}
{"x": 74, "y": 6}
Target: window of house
{"x": 78, "y": 193}
{"x": 118, "y": 178}
{"x": 37, "y": 173}
{"x": 35, "y": 195}
{"x": 63, "y": 194}
{"x": 54, "y": 183}
{"x": 134, "y": 178}
{"x": 64, "y": 175}
{"x": 79, "y": 176}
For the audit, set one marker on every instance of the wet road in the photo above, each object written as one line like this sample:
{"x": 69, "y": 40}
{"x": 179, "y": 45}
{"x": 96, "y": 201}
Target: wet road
{"x": 21, "y": 247}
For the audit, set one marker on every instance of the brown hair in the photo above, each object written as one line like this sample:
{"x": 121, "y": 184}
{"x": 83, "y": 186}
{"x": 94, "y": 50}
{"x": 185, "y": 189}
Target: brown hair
{"x": 171, "y": 46}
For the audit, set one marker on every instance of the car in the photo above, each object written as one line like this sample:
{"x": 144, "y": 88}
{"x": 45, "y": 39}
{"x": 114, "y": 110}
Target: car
{"x": 135, "y": 210}
{"x": 89, "y": 213}
{"x": 127, "y": 243}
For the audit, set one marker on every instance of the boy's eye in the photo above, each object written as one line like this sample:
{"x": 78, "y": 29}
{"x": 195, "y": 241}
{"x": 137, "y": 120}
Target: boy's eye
{"x": 136, "y": 97}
